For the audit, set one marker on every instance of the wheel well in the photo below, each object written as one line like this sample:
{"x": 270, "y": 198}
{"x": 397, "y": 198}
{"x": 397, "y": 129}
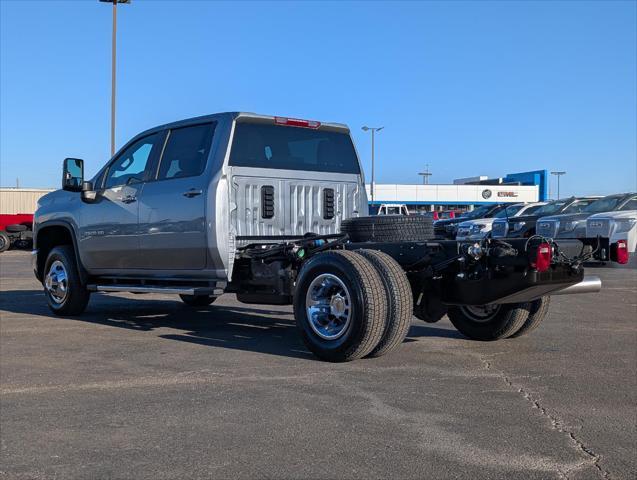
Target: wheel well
{"x": 47, "y": 239}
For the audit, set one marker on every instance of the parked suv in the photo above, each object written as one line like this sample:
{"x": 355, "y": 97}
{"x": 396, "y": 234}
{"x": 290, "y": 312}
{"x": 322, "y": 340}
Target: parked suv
{"x": 448, "y": 228}
{"x": 268, "y": 208}
{"x": 573, "y": 225}
{"x": 525, "y": 225}
{"x": 480, "y": 228}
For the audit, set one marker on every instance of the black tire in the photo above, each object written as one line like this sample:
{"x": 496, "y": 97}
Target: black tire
{"x": 5, "y": 242}
{"x": 538, "y": 309}
{"x": 400, "y": 302}
{"x": 365, "y": 303}
{"x": 407, "y": 228}
{"x": 77, "y": 296}
{"x": 502, "y": 323}
{"x": 197, "y": 300}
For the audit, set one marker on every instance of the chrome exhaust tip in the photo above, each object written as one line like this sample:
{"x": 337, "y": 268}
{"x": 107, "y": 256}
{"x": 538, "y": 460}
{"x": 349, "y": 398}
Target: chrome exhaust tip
{"x": 590, "y": 284}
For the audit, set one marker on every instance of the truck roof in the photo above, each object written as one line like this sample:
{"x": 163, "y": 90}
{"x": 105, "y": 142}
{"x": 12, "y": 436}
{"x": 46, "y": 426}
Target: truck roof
{"x": 230, "y": 116}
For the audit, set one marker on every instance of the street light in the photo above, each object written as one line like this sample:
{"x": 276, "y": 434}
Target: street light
{"x": 558, "y": 174}
{"x": 425, "y": 175}
{"x": 373, "y": 130}
{"x": 113, "y": 61}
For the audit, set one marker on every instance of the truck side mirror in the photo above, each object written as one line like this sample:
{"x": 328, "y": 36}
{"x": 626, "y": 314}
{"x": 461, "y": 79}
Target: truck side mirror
{"x": 73, "y": 174}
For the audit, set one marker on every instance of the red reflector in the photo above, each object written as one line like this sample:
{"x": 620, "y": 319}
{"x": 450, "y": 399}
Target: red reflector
{"x": 622, "y": 252}
{"x": 295, "y": 122}
{"x": 543, "y": 258}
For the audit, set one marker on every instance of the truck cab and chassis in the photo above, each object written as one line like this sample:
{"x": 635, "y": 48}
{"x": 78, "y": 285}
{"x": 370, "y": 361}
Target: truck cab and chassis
{"x": 274, "y": 210}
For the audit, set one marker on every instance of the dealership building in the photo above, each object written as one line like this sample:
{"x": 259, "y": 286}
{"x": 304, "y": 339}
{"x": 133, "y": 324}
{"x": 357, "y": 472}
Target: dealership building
{"x": 464, "y": 193}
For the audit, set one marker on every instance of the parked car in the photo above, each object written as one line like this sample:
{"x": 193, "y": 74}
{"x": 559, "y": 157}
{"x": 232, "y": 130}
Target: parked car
{"x": 481, "y": 227}
{"x": 524, "y": 226}
{"x": 573, "y": 225}
{"x": 613, "y": 235}
{"x": 268, "y": 208}
{"x": 449, "y": 228}
{"x": 393, "y": 209}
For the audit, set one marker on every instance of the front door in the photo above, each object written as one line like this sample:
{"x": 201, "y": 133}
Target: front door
{"x": 172, "y": 215}
{"x": 109, "y": 236}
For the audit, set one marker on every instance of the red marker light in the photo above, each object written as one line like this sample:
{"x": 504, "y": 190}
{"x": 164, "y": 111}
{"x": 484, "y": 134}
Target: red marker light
{"x": 543, "y": 258}
{"x": 621, "y": 252}
{"x": 296, "y": 122}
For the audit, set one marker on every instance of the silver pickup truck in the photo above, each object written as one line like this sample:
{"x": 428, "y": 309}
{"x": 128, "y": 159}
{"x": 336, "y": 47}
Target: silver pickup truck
{"x": 274, "y": 210}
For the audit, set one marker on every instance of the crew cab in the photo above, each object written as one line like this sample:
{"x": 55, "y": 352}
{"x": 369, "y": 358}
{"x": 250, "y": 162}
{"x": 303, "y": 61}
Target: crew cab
{"x": 481, "y": 227}
{"x": 524, "y": 226}
{"x": 271, "y": 209}
{"x": 573, "y": 225}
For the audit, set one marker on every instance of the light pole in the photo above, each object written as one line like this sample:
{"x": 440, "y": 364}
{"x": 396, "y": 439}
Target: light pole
{"x": 373, "y": 130}
{"x": 425, "y": 175}
{"x": 113, "y": 63}
{"x": 558, "y": 174}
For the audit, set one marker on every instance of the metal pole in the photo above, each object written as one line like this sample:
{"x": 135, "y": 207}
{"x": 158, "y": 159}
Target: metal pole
{"x": 113, "y": 61}
{"x": 558, "y": 187}
{"x": 372, "y": 186}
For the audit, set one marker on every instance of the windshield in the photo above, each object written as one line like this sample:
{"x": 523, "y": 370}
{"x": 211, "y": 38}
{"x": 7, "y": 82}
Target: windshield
{"x": 477, "y": 213}
{"x": 606, "y": 204}
{"x": 261, "y": 145}
{"x": 508, "y": 212}
{"x": 550, "y": 208}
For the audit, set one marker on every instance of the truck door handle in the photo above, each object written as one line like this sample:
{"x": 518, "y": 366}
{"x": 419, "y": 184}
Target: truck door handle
{"x": 193, "y": 192}
{"x": 129, "y": 199}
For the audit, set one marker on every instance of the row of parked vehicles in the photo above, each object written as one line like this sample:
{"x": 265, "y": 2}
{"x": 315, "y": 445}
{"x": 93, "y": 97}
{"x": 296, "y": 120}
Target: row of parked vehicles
{"x": 608, "y": 223}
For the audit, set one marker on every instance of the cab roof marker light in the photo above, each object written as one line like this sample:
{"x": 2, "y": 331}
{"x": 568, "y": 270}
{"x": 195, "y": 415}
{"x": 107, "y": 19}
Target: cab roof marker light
{"x": 297, "y": 122}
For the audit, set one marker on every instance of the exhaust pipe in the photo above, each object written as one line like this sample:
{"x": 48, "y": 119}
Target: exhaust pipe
{"x": 590, "y": 284}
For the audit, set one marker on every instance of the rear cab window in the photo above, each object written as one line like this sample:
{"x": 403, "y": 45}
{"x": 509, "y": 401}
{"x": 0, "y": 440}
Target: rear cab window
{"x": 260, "y": 145}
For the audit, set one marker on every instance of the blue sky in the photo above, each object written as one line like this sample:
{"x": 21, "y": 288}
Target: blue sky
{"x": 469, "y": 88}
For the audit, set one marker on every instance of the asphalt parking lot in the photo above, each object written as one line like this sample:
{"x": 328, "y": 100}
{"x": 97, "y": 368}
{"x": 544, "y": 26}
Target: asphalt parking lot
{"x": 142, "y": 386}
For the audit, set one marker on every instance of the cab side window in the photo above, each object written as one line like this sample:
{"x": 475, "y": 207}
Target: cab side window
{"x": 186, "y": 152}
{"x": 132, "y": 166}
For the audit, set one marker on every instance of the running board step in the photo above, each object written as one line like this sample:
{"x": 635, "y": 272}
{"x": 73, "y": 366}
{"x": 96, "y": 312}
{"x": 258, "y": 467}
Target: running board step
{"x": 156, "y": 289}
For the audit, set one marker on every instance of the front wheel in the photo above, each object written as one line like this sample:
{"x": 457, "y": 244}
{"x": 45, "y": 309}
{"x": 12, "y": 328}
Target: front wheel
{"x": 64, "y": 291}
{"x": 340, "y": 306}
{"x": 489, "y": 322}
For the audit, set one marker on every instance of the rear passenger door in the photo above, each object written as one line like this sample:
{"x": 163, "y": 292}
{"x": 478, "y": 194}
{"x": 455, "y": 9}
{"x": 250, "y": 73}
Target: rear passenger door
{"x": 172, "y": 213}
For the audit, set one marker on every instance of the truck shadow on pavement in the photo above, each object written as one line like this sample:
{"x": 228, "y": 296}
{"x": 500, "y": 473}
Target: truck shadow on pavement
{"x": 257, "y": 329}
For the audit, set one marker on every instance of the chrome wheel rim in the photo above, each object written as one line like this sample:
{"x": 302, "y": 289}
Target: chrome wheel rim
{"x": 56, "y": 282}
{"x": 328, "y": 306}
{"x": 481, "y": 313}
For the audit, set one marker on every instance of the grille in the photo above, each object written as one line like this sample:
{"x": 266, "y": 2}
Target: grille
{"x": 267, "y": 201}
{"x": 598, "y": 227}
{"x": 499, "y": 229}
{"x": 547, "y": 228}
{"x": 328, "y": 203}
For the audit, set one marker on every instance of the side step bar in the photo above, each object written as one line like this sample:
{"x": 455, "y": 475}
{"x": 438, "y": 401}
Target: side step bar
{"x": 156, "y": 289}
{"x": 590, "y": 284}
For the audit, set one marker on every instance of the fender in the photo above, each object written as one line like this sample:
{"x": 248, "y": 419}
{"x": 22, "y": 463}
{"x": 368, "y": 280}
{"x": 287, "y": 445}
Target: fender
{"x": 81, "y": 271}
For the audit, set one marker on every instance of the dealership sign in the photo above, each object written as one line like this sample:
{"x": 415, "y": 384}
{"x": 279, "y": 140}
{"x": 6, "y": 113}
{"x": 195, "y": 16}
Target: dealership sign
{"x": 507, "y": 194}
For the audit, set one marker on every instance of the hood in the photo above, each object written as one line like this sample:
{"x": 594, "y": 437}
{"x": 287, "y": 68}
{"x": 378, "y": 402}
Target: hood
{"x": 567, "y": 217}
{"x": 449, "y": 221}
{"x": 521, "y": 218}
{"x": 617, "y": 214}
{"x": 477, "y": 221}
